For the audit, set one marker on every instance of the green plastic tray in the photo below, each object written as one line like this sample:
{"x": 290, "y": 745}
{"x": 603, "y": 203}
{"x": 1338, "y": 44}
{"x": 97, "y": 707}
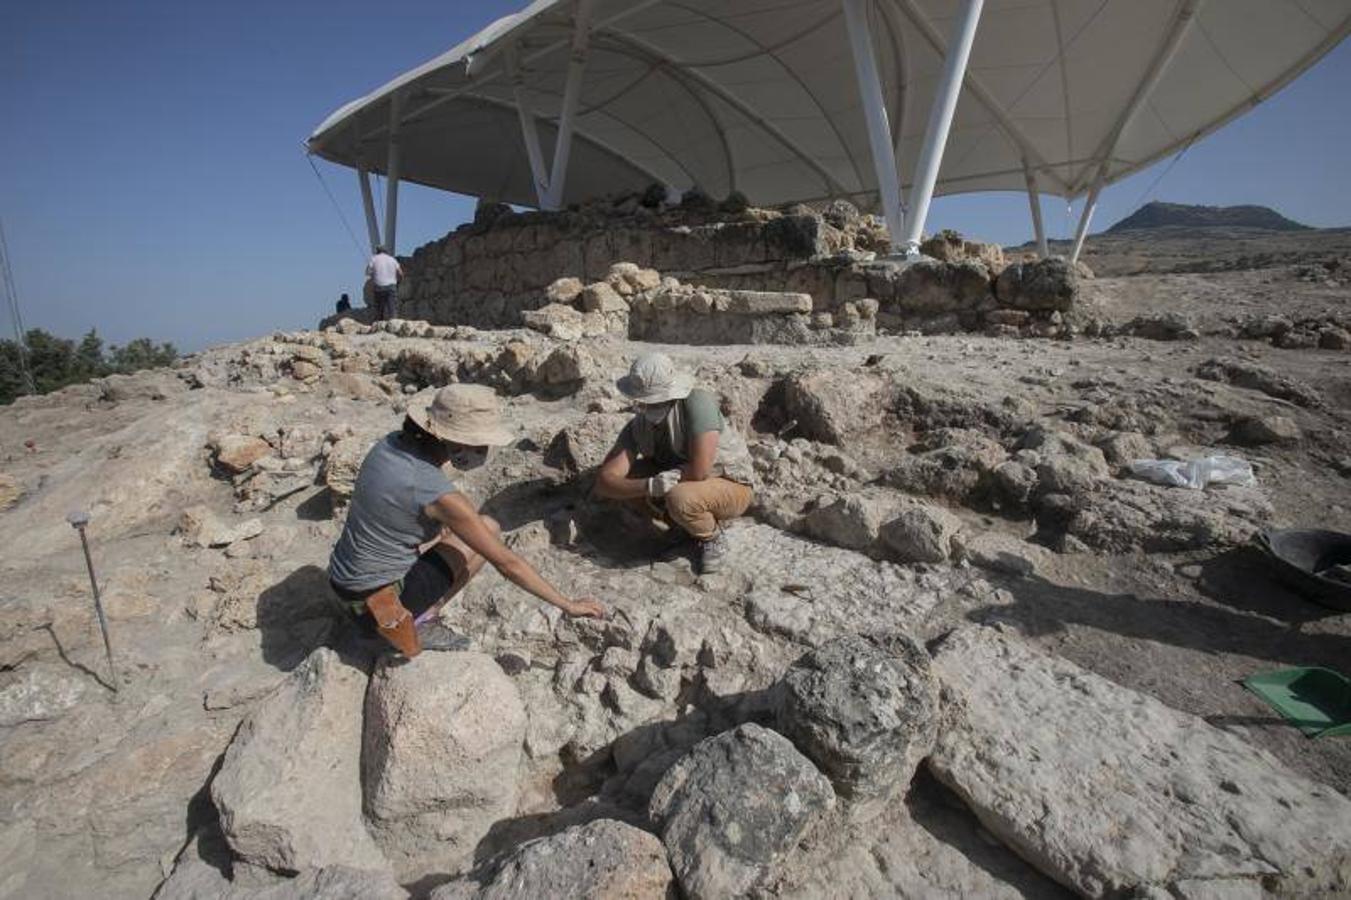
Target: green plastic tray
{"x": 1316, "y": 701}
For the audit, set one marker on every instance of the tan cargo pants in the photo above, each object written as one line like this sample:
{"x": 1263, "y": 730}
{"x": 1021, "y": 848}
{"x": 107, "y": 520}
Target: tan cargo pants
{"x": 698, "y": 506}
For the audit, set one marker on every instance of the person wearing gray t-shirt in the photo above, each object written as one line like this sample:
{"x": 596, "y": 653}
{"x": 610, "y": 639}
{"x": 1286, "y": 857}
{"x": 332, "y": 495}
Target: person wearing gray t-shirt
{"x": 412, "y": 540}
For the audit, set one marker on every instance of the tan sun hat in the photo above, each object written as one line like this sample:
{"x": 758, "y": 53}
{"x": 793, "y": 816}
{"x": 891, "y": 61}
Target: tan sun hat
{"x": 467, "y": 414}
{"x": 653, "y": 378}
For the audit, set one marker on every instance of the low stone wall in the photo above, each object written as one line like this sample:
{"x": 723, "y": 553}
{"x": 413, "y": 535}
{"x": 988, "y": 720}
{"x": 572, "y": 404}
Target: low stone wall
{"x": 642, "y": 305}
{"x": 490, "y": 273}
{"x": 487, "y": 274}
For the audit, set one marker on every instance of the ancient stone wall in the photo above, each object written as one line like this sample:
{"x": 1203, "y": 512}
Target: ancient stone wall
{"x": 487, "y": 274}
{"x": 490, "y": 272}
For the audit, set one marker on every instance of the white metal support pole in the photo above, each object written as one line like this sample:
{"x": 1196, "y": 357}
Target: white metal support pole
{"x": 572, "y": 93}
{"x": 940, "y": 121}
{"x": 368, "y": 203}
{"x": 1034, "y": 200}
{"x": 1090, "y": 204}
{"x": 392, "y": 175}
{"x": 529, "y": 133}
{"x": 1186, "y": 14}
{"x": 875, "y": 112}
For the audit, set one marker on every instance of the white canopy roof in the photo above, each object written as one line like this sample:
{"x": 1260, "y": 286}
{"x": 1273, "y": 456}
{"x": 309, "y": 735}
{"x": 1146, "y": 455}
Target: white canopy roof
{"x": 760, "y": 96}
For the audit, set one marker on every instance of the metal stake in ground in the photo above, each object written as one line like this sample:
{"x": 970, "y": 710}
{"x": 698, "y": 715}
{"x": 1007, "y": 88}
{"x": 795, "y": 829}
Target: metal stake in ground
{"x": 79, "y": 520}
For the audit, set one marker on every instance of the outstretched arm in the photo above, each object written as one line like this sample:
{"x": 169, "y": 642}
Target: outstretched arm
{"x": 458, "y": 514}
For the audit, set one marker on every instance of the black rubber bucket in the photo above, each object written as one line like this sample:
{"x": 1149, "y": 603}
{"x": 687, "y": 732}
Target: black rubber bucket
{"x": 1302, "y": 554}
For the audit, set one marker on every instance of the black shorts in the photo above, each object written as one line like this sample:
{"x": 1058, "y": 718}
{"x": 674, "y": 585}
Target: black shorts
{"x": 421, "y": 588}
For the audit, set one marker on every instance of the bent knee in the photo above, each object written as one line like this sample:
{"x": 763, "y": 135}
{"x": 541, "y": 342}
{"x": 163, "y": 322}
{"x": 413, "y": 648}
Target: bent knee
{"x": 683, "y": 496}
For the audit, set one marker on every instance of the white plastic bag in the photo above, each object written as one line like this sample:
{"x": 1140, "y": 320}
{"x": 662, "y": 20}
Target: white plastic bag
{"x": 1195, "y": 473}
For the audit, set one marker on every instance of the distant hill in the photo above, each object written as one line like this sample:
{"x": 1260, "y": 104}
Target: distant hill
{"x": 1163, "y": 215}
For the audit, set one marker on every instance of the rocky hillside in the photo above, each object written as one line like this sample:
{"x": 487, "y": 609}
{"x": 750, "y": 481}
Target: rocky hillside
{"x": 1182, "y": 215}
{"x": 956, "y": 647}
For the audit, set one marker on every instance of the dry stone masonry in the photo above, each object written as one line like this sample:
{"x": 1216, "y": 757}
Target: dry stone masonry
{"x": 494, "y": 272}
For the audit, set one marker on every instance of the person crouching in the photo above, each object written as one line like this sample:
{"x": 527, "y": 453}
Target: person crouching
{"x": 412, "y": 540}
{"x": 680, "y": 456}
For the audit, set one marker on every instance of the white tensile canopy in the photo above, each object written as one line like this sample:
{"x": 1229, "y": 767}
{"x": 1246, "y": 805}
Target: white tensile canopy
{"x": 884, "y": 102}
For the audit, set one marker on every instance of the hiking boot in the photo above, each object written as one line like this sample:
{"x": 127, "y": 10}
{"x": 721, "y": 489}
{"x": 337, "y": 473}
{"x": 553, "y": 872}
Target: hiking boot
{"x": 435, "y": 636}
{"x": 713, "y": 553}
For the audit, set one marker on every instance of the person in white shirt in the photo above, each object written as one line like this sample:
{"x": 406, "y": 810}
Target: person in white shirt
{"x": 384, "y": 272}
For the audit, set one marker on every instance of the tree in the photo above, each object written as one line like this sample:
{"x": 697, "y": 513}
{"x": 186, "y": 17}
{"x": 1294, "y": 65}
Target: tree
{"x": 56, "y": 362}
{"x": 51, "y": 360}
{"x": 12, "y": 384}
{"x": 89, "y": 361}
{"x": 142, "y": 353}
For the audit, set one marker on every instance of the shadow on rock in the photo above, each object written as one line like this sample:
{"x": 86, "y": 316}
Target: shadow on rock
{"x": 1042, "y": 607}
{"x": 1245, "y": 579}
{"x": 528, "y": 501}
{"x": 949, "y": 821}
{"x": 297, "y": 615}
{"x": 318, "y": 507}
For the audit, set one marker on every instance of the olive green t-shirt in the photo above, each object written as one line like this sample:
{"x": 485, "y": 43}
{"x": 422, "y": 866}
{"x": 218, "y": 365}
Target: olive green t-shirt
{"x": 702, "y": 415}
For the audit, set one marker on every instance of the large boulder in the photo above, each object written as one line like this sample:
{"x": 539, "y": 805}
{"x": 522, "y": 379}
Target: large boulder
{"x": 601, "y": 860}
{"x": 1113, "y": 793}
{"x": 864, "y": 709}
{"x": 852, "y": 521}
{"x": 936, "y": 286}
{"x": 288, "y": 789}
{"x": 1043, "y": 284}
{"x": 733, "y": 807}
{"x": 1125, "y": 515}
{"x": 833, "y": 405}
{"x": 440, "y": 758}
{"x": 921, "y": 533}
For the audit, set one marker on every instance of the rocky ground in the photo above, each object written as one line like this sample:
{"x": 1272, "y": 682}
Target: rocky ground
{"x": 959, "y": 650}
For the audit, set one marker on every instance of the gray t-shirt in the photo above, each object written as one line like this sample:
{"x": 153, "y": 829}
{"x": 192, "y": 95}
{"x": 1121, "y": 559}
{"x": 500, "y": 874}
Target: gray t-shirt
{"x": 385, "y": 521}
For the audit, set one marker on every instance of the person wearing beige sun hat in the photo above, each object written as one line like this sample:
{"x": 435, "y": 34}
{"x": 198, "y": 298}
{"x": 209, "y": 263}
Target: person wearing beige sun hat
{"x": 679, "y": 457}
{"x": 412, "y": 540}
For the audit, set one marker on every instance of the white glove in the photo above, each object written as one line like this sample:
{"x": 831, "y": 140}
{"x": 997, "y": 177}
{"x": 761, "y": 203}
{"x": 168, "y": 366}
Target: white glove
{"x": 660, "y": 485}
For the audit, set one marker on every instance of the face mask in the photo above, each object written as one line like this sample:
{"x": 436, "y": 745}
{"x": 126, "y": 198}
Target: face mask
{"x": 466, "y": 458}
{"x": 656, "y": 412}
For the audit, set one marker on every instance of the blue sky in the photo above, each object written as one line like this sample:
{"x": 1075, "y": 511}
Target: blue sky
{"x": 153, "y": 181}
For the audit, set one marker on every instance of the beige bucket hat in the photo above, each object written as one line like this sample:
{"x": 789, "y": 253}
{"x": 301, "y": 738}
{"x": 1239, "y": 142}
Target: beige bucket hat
{"x": 467, "y": 414}
{"x": 653, "y": 378}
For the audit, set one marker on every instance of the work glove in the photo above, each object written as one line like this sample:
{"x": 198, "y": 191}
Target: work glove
{"x": 660, "y": 485}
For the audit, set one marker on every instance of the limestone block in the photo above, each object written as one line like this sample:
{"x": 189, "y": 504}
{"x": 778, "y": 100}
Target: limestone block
{"x": 343, "y": 463}
{"x": 931, "y": 286}
{"x": 288, "y": 789}
{"x": 440, "y": 758}
{"x": 201, "y": 527}
{"x": 1041, "y": 284}
{"x": 601, "y": 297}
{"x": 235, "y": 453}
{"x": 853, "y": 521}
{"x": 564, "y": 290}
{"x": 1111, "y": 792}
{"x": 921, "y": 533}
{"x": 766, "y": 303}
